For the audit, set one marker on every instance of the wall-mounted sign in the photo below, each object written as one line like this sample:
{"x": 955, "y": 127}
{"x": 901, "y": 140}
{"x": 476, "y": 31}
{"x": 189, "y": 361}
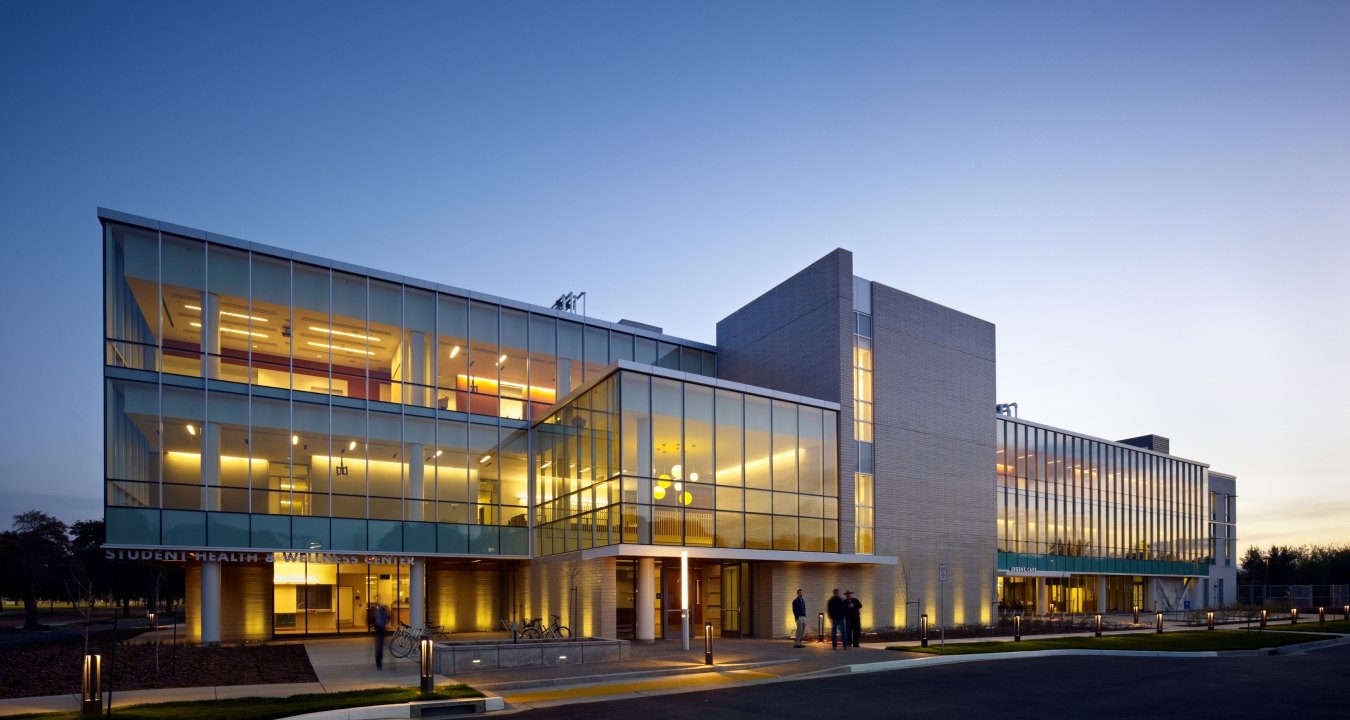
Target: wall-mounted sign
{"x": 253, "y": 557}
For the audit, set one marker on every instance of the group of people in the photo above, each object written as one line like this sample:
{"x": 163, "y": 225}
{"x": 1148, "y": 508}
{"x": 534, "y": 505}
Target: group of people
{"x": 845, "y": 613}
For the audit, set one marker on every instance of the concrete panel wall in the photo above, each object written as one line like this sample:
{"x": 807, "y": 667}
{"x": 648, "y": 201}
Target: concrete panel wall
{"x": 245, "y": 602}
{"x": 465, "y": 600}
{"x": 583, "y": 592}
{"x": 798, "y": 338}
{"x": 934, "y": 393}
{"x": 791, "y": 338}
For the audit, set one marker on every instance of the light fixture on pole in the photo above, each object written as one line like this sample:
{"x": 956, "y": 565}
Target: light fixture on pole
{"x": 1293, "y": 616}
{"x": 923, "y": 630}
{"x": 1017, "y": 628}
{"x": 428, "y": 670}
{"x": 1265, "y": 615}
{"x": 1209, "y": 618}
{"x": 1099, "y": 624}
{"x": 684, "y": 599}
{"x": 91, "y": 687}
{"x": 820, "y": 627}
{"x": 1159, "y": 618}
{"x": 707, "y": 644}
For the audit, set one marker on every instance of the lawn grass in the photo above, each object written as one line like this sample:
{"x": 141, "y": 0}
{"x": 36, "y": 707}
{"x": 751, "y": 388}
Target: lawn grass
{"x": 269, "y": 708}
{"x": 1306, "y": 625}
{"x": 1183, "y": 641}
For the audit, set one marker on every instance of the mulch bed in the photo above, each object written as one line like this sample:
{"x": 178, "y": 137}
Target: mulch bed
{"x": 54, "y": 668}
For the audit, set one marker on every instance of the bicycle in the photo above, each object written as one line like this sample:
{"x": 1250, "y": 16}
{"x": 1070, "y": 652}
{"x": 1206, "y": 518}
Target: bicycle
{"x": 404, "y": 640}
{"x": 535, "y": 630}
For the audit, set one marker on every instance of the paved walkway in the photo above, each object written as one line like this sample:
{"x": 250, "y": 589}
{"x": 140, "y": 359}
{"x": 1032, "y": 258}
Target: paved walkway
{"x": 655, "y": 668}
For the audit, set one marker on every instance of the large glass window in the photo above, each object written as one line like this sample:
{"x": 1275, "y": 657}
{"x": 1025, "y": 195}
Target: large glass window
{"x": 683, "y": 455}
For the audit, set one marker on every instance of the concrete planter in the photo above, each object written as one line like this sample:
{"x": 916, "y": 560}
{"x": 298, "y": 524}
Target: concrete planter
{"x": 458, "y": 658}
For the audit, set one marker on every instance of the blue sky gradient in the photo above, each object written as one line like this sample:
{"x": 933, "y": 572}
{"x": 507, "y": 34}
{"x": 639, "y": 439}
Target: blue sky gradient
{"x": 1151, "y": 200}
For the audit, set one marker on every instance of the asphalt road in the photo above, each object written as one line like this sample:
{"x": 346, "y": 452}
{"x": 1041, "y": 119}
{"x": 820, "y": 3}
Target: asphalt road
{"x": 1303, "y": 685}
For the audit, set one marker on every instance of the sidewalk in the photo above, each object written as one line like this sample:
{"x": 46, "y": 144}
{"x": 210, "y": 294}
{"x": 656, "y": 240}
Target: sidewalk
{"x": 654, "y": 668}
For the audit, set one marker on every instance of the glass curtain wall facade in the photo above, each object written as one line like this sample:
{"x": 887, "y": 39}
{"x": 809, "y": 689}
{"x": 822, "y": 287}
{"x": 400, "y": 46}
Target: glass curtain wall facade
{"x": 256, "y": 400}
{"x": 1067, "y": 503}
{"x": 863, "y": 521}
{"x": 646, "y": 459}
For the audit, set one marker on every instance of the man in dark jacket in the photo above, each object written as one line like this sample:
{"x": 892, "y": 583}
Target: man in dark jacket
{"x": 380, "y": 618}
{"x": 838, "y": 624}
{"x": 799, "y": 613}
{"x": 853, "y": 618}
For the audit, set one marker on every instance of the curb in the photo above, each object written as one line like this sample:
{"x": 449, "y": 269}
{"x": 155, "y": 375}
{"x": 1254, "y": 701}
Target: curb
{"x": 488, "y": 703}
{"x": 620, "y": 677}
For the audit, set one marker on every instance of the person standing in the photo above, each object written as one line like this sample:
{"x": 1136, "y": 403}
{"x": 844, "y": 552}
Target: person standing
{"x": 838, "y": 624}
{"x": 379, "y": 616}
{"x": 852, "y": 618}
{"x": 799, "y": 612}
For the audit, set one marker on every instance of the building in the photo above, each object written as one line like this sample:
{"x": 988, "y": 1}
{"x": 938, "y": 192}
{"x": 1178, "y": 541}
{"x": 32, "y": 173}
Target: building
{"x": 305, "y": 437}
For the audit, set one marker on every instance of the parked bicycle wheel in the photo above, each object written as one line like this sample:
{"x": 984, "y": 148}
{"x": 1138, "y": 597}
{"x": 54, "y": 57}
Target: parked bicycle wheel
{"x": 401, "y": 645}
{"x": 562, "y": 631}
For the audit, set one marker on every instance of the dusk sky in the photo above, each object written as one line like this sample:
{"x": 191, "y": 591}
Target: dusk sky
{"x": 1150, "y": 200}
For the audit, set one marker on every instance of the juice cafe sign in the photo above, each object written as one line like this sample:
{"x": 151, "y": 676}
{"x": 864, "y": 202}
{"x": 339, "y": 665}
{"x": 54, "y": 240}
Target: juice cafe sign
{"x": 300, "y": 556}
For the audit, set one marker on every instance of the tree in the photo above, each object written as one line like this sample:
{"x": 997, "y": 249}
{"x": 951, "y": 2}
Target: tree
{"x": 36, "y": 553}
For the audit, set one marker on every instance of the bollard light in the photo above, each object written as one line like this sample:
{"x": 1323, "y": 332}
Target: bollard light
{"x": 91, "y": 687}
{"x": 152, "y": 622}
{"x": 1209, "y": 618}
{"x": 428, "y": 670}
{"x": 1017, "y": 628}
{"x": 923, "y": 630}
{"x": 1345, "y": 613}
{"x": 1136, "y": 614}
{"x": 820, "y": 628}
{"x": 1265, "y": 615}
{"x": 707, "y": 644}
{"x": 1321, "y": 616}
{"x": 1293, "y": 616}
{"x": 1099, "y": 624}
{"x": 1052, "y": 610}
{"x": 1159, "y": 619}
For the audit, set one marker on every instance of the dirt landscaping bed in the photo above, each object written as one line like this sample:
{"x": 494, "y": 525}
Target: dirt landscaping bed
{"x": 53, "y": 668}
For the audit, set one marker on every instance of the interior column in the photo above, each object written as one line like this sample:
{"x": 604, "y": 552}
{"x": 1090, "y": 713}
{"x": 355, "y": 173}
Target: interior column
{"x": 645, "y": 600}
{"x": 210, "y": 600}
{"x": 210, "y": 460}
{"x": 211, "y": 335}
{"x": 417, "y": 605}
{"x": 1042, "y": 604}
{"x": 417, "y": 465}
{"x": 210, "y": 466}
{"x": 1101, "y": 594}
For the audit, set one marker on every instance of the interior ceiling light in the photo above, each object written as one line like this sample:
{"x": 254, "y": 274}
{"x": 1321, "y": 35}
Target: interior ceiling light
{"x": 502, "y": 360}
{"x": 546, "y": 465}
{"x": 355, "y": 336}
{"x": 232, "y": 330}
{"x": 484, "y": 459}
{"x": 439, "y": 452}
{"x": 227, "y": 313}
{"x": 358, "y": 351}
{"x": 295, "y": 439}
{"x": 192, "y": 430}
{"x": 351, "y": 445}
{"x": 454, "y": 351}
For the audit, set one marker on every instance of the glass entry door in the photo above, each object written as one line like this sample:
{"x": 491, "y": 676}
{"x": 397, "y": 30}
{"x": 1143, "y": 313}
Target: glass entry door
{"x": 671, "y": 600}
{"x": 735, "y": 585}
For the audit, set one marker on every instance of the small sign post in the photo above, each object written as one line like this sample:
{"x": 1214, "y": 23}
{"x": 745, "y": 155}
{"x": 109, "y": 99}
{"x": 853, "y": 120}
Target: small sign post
{"x": 942, "y": 605}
